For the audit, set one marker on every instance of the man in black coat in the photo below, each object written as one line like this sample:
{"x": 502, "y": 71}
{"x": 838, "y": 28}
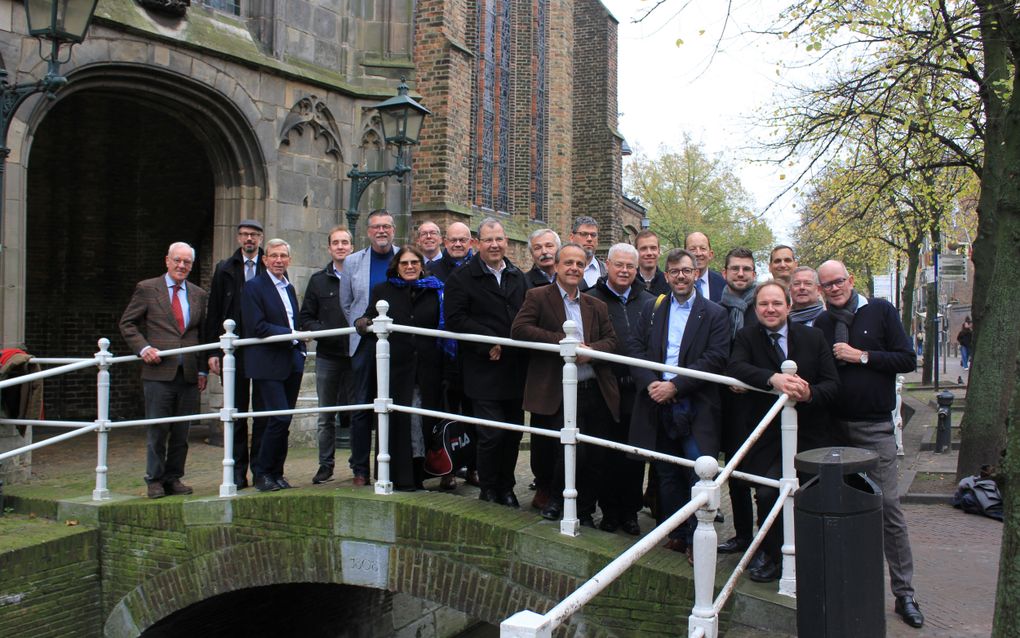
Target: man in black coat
{"x": 679, "y": 415}
{"x": 544, "y": 244}
{"x": 225, "y": 303}
{"x": 483, "y": 297}
{"x": 647, "y": 244}
{"x": 626, "y": 298}
{"x": 758, "y": 354}
{"x": 321, "y": 310}
{"x": 456, "y": 252}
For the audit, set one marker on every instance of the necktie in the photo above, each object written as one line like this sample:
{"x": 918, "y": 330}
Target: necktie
{"x": 700, "y": 284}
{"x": 249, "y": 269}
{"x": 175, "y": 307}
{"x": 775, "y": 336}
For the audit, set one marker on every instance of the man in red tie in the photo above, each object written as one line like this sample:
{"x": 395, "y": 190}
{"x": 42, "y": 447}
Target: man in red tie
{"x": 164, "y": 313}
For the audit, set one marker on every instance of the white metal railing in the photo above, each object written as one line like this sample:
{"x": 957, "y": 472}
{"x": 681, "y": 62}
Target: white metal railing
{"x": 704, "y": 503}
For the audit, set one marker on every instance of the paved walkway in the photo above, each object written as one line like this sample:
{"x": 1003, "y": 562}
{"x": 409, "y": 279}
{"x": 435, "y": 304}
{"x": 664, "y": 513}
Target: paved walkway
{"x": 956, "y": 555}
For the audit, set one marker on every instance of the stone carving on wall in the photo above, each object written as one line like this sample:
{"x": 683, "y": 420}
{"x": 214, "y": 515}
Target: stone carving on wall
{"x": 313, "y": 113}
{"x": 176, "y": 8}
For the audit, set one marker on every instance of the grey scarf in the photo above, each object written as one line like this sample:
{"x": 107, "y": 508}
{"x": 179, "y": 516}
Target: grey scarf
{"x": 844, "y": 318}
{"x": 804, "y": 315}
{"x": 738, "y": 306}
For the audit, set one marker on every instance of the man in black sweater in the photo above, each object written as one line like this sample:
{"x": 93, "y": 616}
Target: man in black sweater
{"x": 871, "y": 348}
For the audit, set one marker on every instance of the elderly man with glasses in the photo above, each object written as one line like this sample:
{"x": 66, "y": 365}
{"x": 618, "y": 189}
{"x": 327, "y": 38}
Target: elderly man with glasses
{"x": 871, "y": 348}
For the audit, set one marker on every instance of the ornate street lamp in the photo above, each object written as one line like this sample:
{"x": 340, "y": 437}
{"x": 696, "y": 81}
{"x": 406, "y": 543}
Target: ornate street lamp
{"x": 401, "y": 118}
{"x": 56, "y": 22}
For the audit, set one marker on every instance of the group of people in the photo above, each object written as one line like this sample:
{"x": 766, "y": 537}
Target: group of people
{"x": 848, "y": 350}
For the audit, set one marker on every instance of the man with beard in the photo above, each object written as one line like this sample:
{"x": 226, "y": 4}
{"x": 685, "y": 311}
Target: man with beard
{"x": 654, "y": 280}
{"x": 483, "y": 297}
{"x": 541, "y": 320}
{"x": 225, "y": 303}
{"x": 807, "y": 304}
{"x": 620, "y": 492}
{"x": 585, "y": 233}
{"x": 871, "y": 348}
{"x": 544, "y": 245}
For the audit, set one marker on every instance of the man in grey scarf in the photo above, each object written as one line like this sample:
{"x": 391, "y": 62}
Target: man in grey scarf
{"x": 807, "y": 303}
{"x": 739, "y": 292}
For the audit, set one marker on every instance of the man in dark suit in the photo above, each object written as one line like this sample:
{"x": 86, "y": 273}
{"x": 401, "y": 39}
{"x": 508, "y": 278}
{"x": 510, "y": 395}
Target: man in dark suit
{"x": 165, "y": 313}
{"x": 709, "y": 284}
{"x": 543, "y": 243}
{"x": 269, "y": 308}
{"x": 541, "y": 320}
{"x": 758, "y": 353}
{"x": 483, "y": 297}
{"x": 871, "y": 348}
{"x": 675, "y": 414}
{"x": 647, "y": 244}
{"x": 456, "y": 251}
{"x": 225, "y": 303}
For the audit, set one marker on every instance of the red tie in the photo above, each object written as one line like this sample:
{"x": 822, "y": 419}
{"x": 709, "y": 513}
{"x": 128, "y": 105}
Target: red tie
{"x": 175, "y": 306}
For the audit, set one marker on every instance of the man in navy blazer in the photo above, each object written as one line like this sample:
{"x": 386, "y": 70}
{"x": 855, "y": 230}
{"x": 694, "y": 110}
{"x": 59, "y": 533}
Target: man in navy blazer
{"x": 709, "y": 284}
{"x": 269, "y": 307}
{"x": 674, "y": 414}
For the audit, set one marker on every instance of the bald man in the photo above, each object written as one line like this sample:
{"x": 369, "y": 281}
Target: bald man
{"x": 709, "y": 284}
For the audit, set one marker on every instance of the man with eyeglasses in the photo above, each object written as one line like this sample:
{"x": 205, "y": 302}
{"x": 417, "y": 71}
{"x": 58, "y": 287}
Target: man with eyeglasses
{"x": 364, "y": 270}
{"x": 321, "y": 310}
{"x": 457, "y": 247}
{"x": 430, "y": 241}
{"x": 225, "y": 303}
{"x": 620, "y": 490}
{"x": 585, "y": 233}
{"x": 673, "y": 414}
{"x": 164, "y": 313}
{"x": 807, "y": 304}
{"x": 871, "y": 348}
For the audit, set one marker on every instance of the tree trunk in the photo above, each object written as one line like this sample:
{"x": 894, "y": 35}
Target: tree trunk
{"x": 931, "y": 332}
{"x": 1007, "y": 609}
{"x": 909, "y": 283}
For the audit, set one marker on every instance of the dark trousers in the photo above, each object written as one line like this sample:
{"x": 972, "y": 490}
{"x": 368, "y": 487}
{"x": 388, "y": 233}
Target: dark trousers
{"x": 167, "y": 443}
{"x": 544, "y": 449}
{"x": 622, "y": 477}
{"x": 743, "y": 512}
{"x": 277, "y": 395}
{"x": 675, "y": 483}
{"x": 497, "y": 449}
{"x": 243, "y": 398}
{"x": 333, "y": 381}
{"x": 362, "y": 421}
{"x": 593, "y": 419}
{"x": 765, "y": 497}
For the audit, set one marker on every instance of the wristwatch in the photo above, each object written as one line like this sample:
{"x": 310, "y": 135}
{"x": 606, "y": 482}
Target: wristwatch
{"x": 864, "y": 358}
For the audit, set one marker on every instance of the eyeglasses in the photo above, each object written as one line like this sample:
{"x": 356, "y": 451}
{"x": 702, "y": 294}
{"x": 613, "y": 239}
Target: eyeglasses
{"x": 380, "y": 227}
{"x": 586, "y": 235}
{"x": 623, "y": 265}
{"x": 736, "y": 268}
{"x": 459, "y": 240}
{"x": 409, "y": 262}
{"x": 249, "y": 235}
{"x": 179, "y": 261}
{"x": 835, "y": 283}
{"x": 428, "y": 233}
{"x": 676, "y": 272}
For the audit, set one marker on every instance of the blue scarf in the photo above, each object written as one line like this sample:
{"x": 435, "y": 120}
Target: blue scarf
{"x": 449, "y": 346}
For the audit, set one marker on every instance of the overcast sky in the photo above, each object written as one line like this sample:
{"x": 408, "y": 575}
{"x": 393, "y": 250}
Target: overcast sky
{"x": 667, "y": 90}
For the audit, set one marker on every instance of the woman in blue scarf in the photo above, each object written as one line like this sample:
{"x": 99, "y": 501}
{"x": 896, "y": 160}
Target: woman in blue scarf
{"x": 415, "y": 300}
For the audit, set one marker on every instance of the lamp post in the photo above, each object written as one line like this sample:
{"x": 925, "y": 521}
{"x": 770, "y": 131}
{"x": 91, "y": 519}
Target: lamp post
{"x": 56, "y": 22}
{"x": 402, "y": 118}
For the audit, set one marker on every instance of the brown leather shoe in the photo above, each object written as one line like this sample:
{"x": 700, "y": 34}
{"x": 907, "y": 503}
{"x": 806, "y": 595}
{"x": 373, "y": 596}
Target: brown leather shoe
{"x": 155, "y": 490}
{"x": 448, "y": 482}
{"x": 176, "y": 488}
{"x": 676, "y": 545}
{"x": 472, "y": 478}
{"x": 360, "y": 481}
{"x": 541, "y": 499}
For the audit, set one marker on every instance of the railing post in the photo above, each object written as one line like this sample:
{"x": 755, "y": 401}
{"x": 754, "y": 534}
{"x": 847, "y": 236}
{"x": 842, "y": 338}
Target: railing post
{"x": 897, "y": 415}
{"x": 229, "y": 371}
{"x": 788, "y": 429}
{"x": 102, "y": 491}
{"x": 381, "y": 327}
{"x": 570, "y": 525}
{"x": 703, "y": 614}
{"x": 525, "y": 624}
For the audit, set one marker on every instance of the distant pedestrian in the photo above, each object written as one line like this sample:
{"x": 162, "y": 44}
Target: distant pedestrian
{"x": 965, "y": 339}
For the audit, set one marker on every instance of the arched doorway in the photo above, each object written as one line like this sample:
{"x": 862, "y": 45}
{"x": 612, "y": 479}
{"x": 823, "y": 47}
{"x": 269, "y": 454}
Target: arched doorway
{"x": 126, "y": 160}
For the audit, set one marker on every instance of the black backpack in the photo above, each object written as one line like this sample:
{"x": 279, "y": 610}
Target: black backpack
{"x": 452, "y": 446}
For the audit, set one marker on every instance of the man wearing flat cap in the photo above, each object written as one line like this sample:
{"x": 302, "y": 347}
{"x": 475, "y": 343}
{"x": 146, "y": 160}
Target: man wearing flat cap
{"x": 225, "y": 303}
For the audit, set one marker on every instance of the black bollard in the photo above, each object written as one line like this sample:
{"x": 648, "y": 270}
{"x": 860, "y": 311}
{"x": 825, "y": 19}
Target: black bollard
{"x": 944, "y": 431}
{"x": 838, "y": 525}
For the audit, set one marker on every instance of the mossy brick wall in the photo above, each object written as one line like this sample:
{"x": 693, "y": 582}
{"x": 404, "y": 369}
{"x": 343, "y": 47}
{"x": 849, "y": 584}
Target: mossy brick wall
{"x": 52, "y": 588}
{"x": 159, "y": 557}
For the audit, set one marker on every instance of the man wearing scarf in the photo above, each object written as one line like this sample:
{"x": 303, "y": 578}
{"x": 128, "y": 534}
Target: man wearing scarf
{"x": 871, "y": 348}
{"x": 807, "y": 305}
{"x": 738, "y": 299}
{"x": 456, "y": 251}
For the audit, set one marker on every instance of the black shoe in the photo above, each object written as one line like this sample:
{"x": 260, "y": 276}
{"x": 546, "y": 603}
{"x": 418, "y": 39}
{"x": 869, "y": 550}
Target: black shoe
{"x": 719, "y": 518}
{"x": 241, "y": 482}
{"x": 909, "y": 611}
{"x": 509, "y": 499}
{"x": 552, "y": 512}
{"x": 284, "y": 485}
{"x": 324, "y": 474}
{"x": 630, "y": 526}
{"x": 608, "y": 524}
{"x": 735, "y": 545}
{"x": 533, "y": 486}
{"x": 586, "y": 521}
{"x": 765, "y": 572}
{"x": 266, "y": 484}
{"x": 759, "y": 559}
{"x": 487, "y": 495}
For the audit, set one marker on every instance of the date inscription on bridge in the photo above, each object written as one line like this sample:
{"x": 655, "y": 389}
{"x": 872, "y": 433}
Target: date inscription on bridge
{"x": 365, "y": 564}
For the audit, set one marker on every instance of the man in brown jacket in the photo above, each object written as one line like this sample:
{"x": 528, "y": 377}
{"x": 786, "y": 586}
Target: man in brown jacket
{"x": 598, "y": 397}
{"x": 164, "y": 313}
